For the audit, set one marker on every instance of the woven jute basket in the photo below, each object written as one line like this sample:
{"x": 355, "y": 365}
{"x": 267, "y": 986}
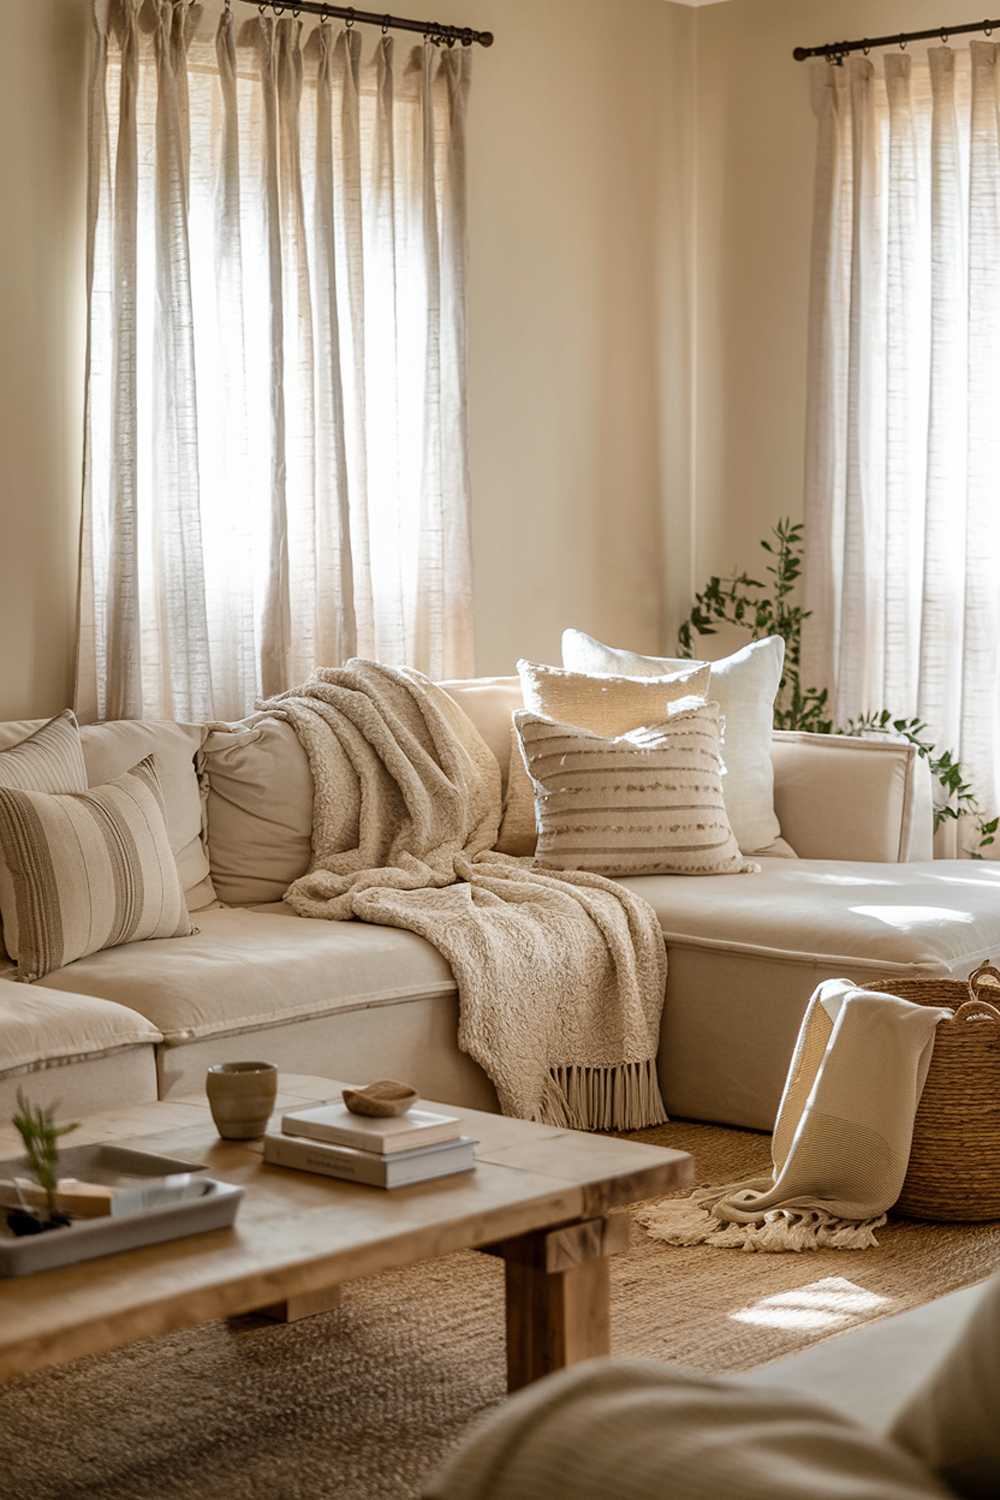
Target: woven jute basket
{"x": 954, "y": 1170}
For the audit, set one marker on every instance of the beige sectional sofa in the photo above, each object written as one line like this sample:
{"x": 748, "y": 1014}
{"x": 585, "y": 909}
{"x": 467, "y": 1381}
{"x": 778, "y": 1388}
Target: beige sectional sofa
{"x": 354, "y": 1000}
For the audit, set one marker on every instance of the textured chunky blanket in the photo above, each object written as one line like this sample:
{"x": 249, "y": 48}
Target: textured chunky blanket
{"x": 842, "y": 1136}
{"x": 560, "y": 976}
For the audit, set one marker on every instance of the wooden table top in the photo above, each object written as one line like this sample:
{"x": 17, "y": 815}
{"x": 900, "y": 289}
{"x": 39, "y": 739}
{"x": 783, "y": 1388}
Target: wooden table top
{"x": 298, "y": 1233}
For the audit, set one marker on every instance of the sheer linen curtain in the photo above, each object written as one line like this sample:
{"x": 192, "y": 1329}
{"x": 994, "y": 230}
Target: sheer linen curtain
{"x": 276, "y": 472}
{"x": 903, "y": 442}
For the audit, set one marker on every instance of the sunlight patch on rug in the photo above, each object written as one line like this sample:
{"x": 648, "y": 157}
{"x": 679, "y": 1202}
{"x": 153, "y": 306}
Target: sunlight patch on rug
{"x": 833, "y": 1302}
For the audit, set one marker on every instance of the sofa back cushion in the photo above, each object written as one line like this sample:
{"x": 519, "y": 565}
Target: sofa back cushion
{"x": 111, "y": 749}
{"x": 259, "y": 810}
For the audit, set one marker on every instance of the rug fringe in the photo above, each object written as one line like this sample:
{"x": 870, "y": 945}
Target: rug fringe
{"x": 689, "y": 1221}
{"x": 625, "y": 1097}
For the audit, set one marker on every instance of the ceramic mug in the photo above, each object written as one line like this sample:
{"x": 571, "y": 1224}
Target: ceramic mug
{"x": 241, "y": 1096}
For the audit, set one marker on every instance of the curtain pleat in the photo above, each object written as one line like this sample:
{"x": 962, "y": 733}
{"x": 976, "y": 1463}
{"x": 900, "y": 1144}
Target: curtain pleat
{"x": 276, "y": 462}
{"x": 903, "y": 445}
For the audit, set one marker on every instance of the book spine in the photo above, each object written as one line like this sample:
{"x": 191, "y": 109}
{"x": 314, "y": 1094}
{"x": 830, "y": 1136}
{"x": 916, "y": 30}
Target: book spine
{"x": 289, "y": 1152}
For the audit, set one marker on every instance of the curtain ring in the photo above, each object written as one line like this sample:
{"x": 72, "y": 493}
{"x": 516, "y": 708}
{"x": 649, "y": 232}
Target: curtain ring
{"x": 902, "y": 42}
{"x": 944, "y": 35}
{"x": 386, "y": 22}
{"x": 987, "y": 28}
{"x": 349, "y": 18}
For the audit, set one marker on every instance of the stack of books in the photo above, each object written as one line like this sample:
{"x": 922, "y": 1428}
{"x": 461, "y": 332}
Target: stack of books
{"x": 388, "y": 1153}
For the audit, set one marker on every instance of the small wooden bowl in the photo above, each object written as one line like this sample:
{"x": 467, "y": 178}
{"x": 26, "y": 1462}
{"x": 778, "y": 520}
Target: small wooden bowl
{"x": 381, "y": 1099}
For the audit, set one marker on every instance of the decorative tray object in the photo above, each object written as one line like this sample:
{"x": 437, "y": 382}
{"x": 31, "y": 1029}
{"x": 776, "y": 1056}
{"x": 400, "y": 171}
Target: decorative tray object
{"x": 193, "y": 1204}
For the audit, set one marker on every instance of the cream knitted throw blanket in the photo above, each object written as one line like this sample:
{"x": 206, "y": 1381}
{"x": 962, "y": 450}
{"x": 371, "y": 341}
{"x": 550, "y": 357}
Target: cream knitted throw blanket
{"x": 560, "y": 976}
{"x": 842, "y": 1136}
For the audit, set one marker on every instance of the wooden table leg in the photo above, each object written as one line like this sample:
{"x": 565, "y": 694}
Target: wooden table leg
{"x": 558, "y": 1309}
{"x": 304, "y": 1305}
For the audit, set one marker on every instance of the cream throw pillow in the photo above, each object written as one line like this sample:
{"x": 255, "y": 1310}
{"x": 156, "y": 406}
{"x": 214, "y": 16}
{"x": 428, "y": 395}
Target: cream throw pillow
{"x": 50, "y": 760}
{"x": 645, "y": 803}
{"x": 608, "y": 705}
{"x": 745, "y": 686}
{"x": 90, "y": 870}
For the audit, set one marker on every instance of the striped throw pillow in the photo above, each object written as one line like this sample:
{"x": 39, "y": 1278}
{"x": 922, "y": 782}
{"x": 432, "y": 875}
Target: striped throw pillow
{"x": 90, "y": 870}
{"x": 645, "y": 803}
{"x": 606, "y": 704}
{"x": 50, "y": 760}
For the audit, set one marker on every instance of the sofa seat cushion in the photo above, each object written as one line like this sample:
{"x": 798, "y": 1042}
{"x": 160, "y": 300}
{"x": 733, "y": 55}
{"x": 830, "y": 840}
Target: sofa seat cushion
{"x": 249, "y": 969}
{"x": 747, "y": 951}
{"x": 42, "y": 1028}
{"x": 942, "y": 915}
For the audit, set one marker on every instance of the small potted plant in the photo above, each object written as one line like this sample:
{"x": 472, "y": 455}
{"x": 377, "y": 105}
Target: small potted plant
{"x": 41, "y": 1135}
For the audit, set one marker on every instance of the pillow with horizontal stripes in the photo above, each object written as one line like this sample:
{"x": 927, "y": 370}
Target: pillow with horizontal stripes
{"x": 49, "y": 760}
{"x": 606, "y": 704}
{"x": 648, "y": 802}
{"x": 90, "y": 870}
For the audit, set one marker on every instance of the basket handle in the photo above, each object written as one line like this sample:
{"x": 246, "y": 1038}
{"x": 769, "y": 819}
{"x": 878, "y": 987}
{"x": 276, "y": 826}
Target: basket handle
{"x": 986, "y": 972}
{"x": 977, "y": 1008}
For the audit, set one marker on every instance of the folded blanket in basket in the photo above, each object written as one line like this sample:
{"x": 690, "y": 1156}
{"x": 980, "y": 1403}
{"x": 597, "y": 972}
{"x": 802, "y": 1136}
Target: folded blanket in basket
{"x": 841, "y": 1139}
{"x": 560, "y": 975}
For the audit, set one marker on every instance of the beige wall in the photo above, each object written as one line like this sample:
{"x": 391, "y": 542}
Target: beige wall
{"x": 755, "y": 154}
{"x": 42, "y": 126}
{"x": 579, "y": 250}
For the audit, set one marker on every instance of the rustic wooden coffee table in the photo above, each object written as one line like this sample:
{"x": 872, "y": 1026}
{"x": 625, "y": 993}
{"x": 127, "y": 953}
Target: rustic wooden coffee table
{"x": 539, "y": 1198}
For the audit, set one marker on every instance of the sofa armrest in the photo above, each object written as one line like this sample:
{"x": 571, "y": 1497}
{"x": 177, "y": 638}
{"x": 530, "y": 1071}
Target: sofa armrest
{"x": 838, "y": 797}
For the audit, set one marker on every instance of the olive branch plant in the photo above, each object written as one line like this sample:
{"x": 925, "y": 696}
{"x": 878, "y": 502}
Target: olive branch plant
{"x": 771, "y": 607}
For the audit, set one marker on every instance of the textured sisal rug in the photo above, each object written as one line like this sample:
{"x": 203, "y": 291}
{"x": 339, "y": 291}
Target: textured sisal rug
{"x": 361, "y": 1403}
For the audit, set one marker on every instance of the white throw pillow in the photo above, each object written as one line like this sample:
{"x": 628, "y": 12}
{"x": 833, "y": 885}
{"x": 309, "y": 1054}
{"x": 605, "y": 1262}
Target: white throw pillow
{"x": 745, "y": 686}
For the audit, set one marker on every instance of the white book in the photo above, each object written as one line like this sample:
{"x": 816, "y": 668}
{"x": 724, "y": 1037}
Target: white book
{"x": 335, "y": 1123}
{"x": 400, "y": 1169}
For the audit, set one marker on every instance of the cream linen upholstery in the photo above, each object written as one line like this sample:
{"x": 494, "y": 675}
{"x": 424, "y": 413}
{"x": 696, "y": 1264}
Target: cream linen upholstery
{"x": 647, "y": 802}
{"x": 72, "y": 1048}
{"x": 259, "y": 810}
{"x": 950, "y": 1424}
{"x": 844, "y": 798}
{"x": 117, "y": 746}
{"x": 243, "y": 971}
{"x": 745, "y": 685}
{"x": 90, "y": 870}
{"x": 745, "y": 954}
{"x": 633, "y": 1430}
{"x": 48, "y": 760}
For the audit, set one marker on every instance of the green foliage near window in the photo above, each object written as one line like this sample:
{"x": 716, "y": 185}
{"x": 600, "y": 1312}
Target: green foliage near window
{"x": 770, "y": 606}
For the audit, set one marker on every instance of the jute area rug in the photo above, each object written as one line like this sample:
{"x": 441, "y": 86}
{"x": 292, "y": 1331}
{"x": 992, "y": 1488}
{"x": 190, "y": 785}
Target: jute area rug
{"x": 362, "y": 1403}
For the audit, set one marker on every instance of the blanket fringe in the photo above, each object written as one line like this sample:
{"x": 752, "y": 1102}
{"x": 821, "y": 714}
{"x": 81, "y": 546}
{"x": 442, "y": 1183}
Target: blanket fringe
{"x": 689, "y": 1221}
{"x": 625, "y": 1097}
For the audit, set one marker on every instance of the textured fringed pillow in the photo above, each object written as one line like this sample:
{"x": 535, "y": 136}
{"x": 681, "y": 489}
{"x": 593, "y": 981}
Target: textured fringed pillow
{"x": 645, "y": 803}
{"x": 50, "y": 760}
{"x": 607, "y": 704}
{"x": 90, "y": 870}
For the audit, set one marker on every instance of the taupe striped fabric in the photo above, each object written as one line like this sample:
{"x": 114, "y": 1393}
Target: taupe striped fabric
{"x": 91, "y": 869}
{"x": 606, "y": 704}
{"x": 645, "y": 803}
{"x": 50, "y": 760}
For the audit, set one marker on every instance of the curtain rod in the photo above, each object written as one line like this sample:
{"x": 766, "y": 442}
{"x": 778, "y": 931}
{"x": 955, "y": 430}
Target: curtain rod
{"x": 837, "y": 51}
{"x": 434, "y": 31}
